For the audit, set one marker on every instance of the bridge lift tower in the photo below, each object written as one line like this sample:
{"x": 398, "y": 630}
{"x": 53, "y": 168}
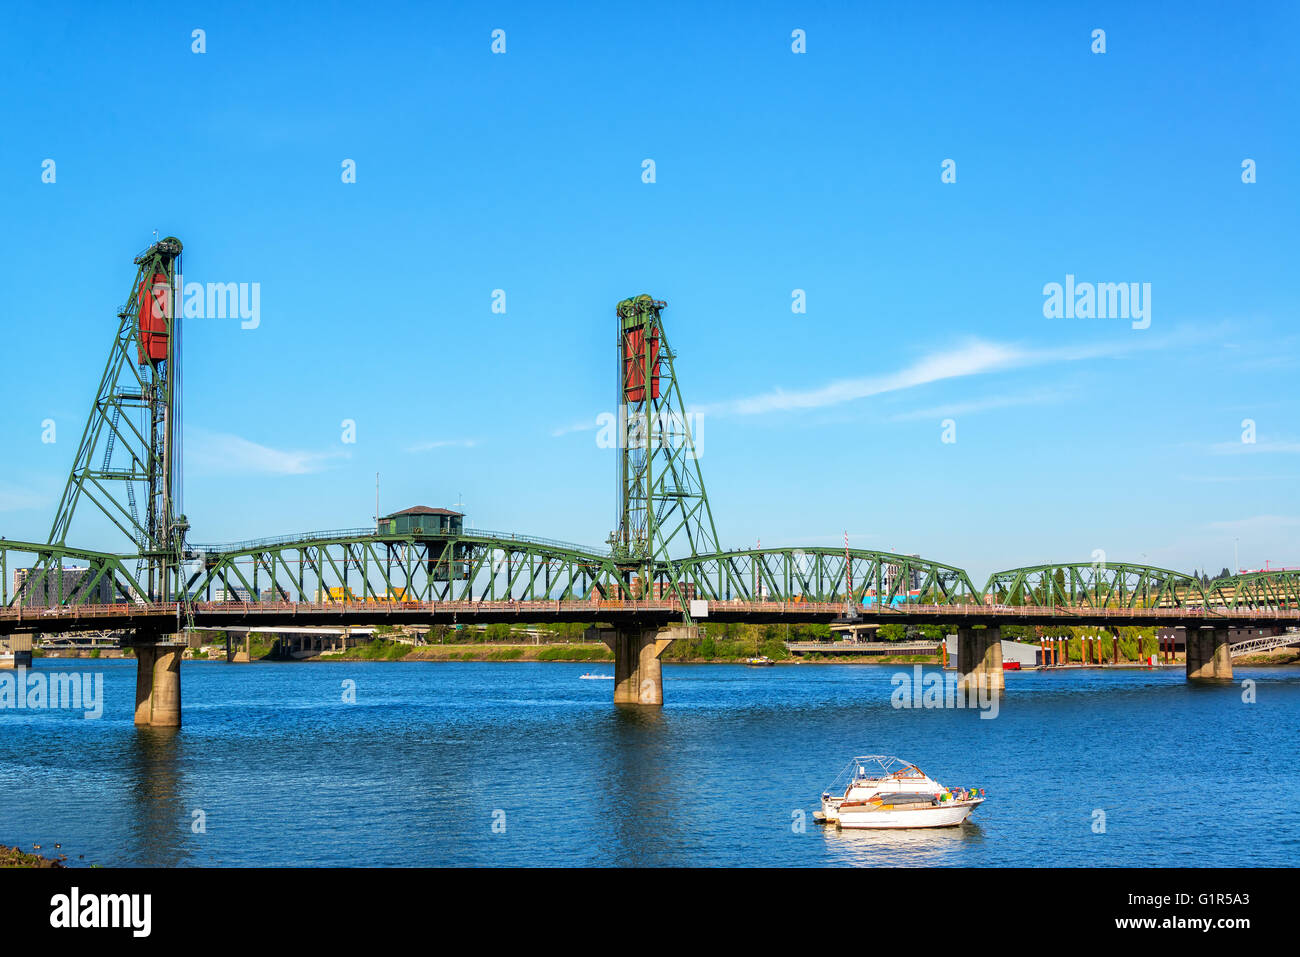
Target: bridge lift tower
{"x": 662, "y": 503}
{"x": 128, "y": 464}
{"x": 130, "y": 450}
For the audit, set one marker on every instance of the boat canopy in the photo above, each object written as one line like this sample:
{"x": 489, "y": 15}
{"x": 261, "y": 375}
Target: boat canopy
{"x": 874, "y": 767}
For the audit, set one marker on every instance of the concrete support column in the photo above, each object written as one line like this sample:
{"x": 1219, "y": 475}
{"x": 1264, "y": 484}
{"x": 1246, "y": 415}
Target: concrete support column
{"x": 979, "y": 658}
{"x": 638, "y": 673}
{"x": 158, "y": 685}
{"x": 1209, "y": 656}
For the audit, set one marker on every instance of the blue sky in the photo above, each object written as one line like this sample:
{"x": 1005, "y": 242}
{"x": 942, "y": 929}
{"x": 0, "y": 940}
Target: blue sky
{"x": 775, "y": 171}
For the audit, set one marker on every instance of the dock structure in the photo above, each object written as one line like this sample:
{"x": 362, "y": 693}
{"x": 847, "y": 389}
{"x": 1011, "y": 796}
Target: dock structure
{"x": 16, "y": 652}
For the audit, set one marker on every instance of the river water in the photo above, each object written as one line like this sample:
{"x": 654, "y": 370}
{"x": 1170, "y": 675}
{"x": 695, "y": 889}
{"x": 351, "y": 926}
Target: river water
{"x": 467, "y": 763}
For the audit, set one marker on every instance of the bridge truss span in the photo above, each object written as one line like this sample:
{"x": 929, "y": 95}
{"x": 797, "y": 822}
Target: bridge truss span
{"x": 1257, "y": 590}
{"x": 362, "y": 566}
{"x": 54, "y": 575}
{"x": 823, "y": 574}
{"x": 1095, "y": 585}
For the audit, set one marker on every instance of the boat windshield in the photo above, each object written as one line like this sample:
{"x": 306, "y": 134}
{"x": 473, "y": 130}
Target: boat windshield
{"x": 873, "y": 767}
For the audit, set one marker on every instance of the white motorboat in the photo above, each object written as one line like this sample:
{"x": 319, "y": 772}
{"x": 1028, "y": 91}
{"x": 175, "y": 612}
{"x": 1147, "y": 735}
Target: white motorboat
{"x": 591, "y": 677}
{"x": 880, "y": 790}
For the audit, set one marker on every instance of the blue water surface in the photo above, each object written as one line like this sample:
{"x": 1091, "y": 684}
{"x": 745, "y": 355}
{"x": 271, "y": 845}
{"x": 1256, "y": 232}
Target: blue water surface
{"x": 468, "y": 763}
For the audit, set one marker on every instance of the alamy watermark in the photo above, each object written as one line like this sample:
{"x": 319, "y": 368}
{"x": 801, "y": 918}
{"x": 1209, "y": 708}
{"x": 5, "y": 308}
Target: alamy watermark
{"x": 935, "y": 690}
{"x": 1102, "y": 300}
{"x": 213, "y": 300}
{"x": 664, "y": 429}
{"x": 83, "y": 691}
{"x": 74, "y": 910}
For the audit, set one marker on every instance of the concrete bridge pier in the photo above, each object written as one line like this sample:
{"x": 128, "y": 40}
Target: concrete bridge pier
{"x": 638, "y": 673}
{"x": 1209, "y": 656}
{"x": 158, "y": 683}
{"x": 979, "y": 658}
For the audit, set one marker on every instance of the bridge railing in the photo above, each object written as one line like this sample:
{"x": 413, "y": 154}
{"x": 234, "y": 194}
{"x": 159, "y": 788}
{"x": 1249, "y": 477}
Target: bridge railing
{"x": 532, "y": 540}
{"x": 252, "y": 543}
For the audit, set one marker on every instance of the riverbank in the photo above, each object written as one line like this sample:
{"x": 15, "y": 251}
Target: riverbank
{"x": 387, "y": 650}
{"x": 14, "y": 857}
{"x": 1278, "y": 656}
{"x": 394, "y": 651}
{"x": 381, "y": 650}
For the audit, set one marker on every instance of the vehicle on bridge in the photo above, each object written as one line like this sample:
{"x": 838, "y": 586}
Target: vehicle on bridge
{"x": 912, "y": 596}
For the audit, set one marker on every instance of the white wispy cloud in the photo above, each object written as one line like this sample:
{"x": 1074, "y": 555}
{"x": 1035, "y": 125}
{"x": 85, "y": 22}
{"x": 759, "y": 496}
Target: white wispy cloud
{"x": 575, "y": 427}
{"x": 442, "y": 444}
{"x": 222, "y": 452}
{"x": 1218, "y": 479}
{"x": 976, "y": 357}
{"x": 1253, "y": 448}
{"x": 984, "y": 405}
{"x": 1257, "y": 523}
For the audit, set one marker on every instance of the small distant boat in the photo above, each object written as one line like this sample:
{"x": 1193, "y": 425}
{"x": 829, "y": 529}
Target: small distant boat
{"x": 761, "y": 661}
{"x": 882, "y": 791}
{"x": 590, "y": 677}
{"x": 1010, "y": 666}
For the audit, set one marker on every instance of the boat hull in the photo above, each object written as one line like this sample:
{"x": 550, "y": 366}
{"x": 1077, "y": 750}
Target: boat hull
{"x": 874, "y": 818}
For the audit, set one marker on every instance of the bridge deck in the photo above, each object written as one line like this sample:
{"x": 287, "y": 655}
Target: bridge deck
{"x": 161, "y": 618}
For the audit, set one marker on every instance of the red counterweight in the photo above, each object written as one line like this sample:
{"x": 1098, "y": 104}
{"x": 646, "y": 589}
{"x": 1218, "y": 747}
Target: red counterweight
{"x": 155, "y": 307}
{"x": 634, "y": 365}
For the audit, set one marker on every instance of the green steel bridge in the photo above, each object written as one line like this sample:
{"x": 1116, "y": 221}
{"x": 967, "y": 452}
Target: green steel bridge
{"x": 661, "y": 566}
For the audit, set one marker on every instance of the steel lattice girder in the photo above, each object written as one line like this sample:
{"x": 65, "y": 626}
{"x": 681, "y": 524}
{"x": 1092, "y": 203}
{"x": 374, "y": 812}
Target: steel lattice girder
{"x": 378, "y": 568}
{"x": 1268, "y": 589}
{"x": 371, "y": 567}
{"x": 818, "y": 575}
{"x": 1095, "y": 585}
{"x": 47, "y": 564}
